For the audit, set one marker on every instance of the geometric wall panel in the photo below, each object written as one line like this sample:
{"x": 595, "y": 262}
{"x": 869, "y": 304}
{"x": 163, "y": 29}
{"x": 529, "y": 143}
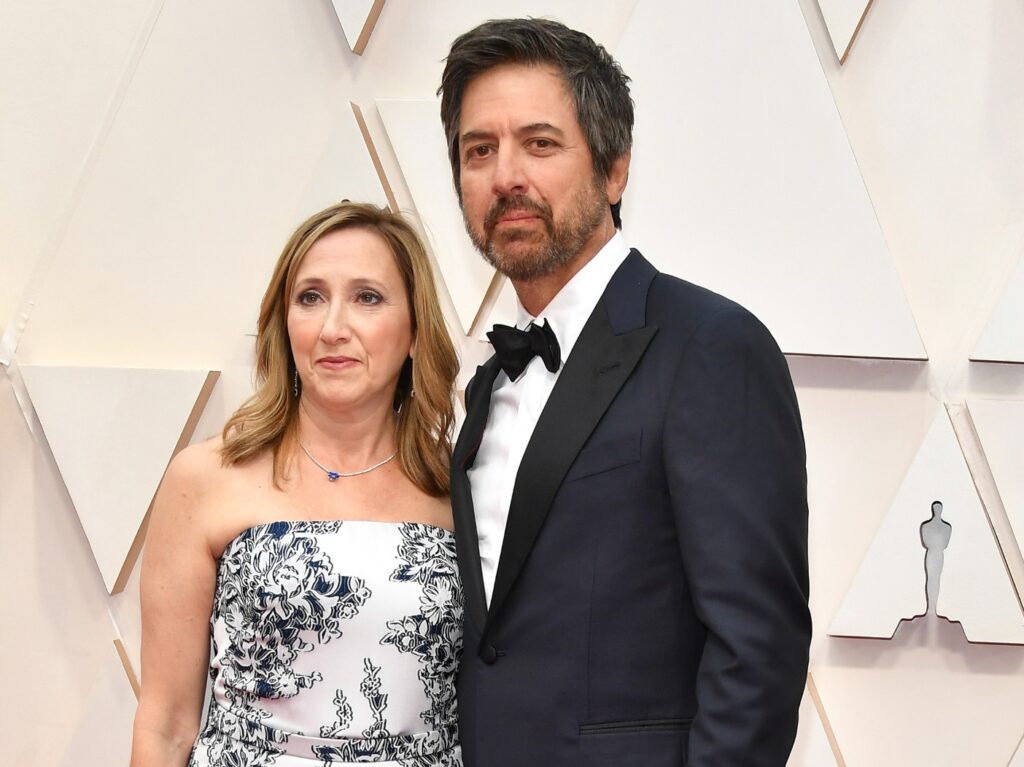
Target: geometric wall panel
{"x": 414, "y": 129}
{"x": 345, "y": 171}
{"x": 106, "y": 724}
{"x": 43, "y": 157}
{"x": 505, "y": 310}
{"x": 1018, "y": 756}
{"x": 1003, "y": 337}
{"x": 815, "y": 744}
{"x": 844, "y": 18}
{"x": 743, "y": 179}
{"x": 980, "y": 593}
{"x": 1000, "y": 426}
{"x": 974, "y": 589}
{"x": 126, "y": 615}
{"x": 884, "y": 714}
{"x": 112, "y": 432}
{"x": 127, "y": 666}
{"x": 357, "y": 18}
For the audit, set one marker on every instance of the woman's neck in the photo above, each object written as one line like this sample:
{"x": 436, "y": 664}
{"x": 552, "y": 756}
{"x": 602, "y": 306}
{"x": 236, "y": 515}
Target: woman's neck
{"x": 346, "y": 441}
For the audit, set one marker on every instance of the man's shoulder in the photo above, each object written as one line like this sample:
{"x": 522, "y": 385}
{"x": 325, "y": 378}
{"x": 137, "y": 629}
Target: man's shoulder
{"x": 684, "y": 309}
{"x": 672, "y": 300}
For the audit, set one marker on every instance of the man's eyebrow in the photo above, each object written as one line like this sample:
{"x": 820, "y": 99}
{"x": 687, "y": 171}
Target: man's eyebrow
{"x": 474, "y": 135}
{"x": 477, "y": 135}
{"x": 542, "y": 128}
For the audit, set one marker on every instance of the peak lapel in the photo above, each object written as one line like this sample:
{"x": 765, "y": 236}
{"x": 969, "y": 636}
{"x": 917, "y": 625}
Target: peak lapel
{"x": 611, "y": 344}
{"x": 478, "y": 401}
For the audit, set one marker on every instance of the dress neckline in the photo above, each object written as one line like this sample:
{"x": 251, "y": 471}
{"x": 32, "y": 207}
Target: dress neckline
{"x": 309, "y": 522}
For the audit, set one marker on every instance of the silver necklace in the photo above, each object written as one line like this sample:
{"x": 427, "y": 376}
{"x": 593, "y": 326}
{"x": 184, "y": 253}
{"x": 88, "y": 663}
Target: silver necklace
{"x": 333, "y": 475}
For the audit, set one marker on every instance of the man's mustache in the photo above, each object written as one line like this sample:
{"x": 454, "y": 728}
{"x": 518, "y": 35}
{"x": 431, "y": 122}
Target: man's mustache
{"x": 517, "y": 204}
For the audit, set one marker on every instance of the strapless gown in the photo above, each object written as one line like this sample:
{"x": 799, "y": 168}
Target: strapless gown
{"x": 334, "y": 642}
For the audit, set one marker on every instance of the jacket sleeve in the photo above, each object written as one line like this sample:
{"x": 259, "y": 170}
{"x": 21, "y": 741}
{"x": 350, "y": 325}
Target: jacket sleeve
{"x": 736, "y": 466}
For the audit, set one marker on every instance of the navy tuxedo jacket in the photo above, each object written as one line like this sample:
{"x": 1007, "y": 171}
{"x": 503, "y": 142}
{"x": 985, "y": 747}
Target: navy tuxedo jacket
{"x": 650, "y": 603}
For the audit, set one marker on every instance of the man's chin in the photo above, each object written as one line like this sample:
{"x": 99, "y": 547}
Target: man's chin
{"x": 523, "y": 266}
{"x": 512, "y": 254}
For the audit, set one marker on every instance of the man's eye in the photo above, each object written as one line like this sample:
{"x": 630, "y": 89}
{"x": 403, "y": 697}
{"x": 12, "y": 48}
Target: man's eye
{"x": 479, "y": 151}
{"x": 543, "y": 143}
{"x": 369, "y": 297}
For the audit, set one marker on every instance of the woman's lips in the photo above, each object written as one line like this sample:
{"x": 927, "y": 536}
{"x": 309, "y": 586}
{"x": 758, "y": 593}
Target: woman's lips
{"x": 336, "y": 363}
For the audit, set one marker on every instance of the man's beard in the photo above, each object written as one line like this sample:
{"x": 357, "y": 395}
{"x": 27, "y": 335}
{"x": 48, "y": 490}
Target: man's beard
{"x": 557, "y": 248}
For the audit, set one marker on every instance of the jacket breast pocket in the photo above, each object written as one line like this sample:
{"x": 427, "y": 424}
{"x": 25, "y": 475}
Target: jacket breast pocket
{"x": 647, "y": 743}
{"x": 606, "y": 453}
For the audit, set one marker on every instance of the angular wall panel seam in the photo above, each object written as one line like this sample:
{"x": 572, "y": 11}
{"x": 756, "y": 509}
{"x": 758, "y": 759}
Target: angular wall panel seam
{"x": 186, "y": 434}
{"x": 973, "y": 586}
{"x": 16, "y": 327}
{"x": 28, "y": 412}
{"x": 358, "y": 18}
{"x": 988, "y": 493}
{"x": 1017, "y": 760}
{"x": 1002, "y": 339}
{"x": 843, "y": 20}
{"x": 129, "y": 671}
{"x": 103, "y": 731}
{"x": 371, "y": 149}
{"x": 833, "y": 742}
{"x": 347, "y": 169}
{"x": 418, "y": 143}
{"x": 112, "y": 432}
{"x": 379, "y": 145}
{"x": 757, "y": 193}
{"x": 996, "y": 463}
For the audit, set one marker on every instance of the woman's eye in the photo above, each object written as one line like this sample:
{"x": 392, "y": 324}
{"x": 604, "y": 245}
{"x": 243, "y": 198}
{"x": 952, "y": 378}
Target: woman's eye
{"x": 368, "y": 297}
{"x": 308, "y": 297}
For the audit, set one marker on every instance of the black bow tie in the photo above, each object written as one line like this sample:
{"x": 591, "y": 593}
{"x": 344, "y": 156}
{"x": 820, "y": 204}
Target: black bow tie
{"x": 515, "y": 348}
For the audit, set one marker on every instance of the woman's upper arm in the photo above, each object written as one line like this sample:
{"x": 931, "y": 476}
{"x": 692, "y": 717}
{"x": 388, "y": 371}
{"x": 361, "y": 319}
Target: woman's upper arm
{"x": 178, "y": 579}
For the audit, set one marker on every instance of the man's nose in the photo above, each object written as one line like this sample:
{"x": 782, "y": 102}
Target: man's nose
{"x": 509, "y": 174}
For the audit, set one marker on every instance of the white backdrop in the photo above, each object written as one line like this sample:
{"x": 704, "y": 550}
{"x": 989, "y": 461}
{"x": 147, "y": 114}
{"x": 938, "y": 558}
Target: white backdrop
{"x": 156, "y": 154}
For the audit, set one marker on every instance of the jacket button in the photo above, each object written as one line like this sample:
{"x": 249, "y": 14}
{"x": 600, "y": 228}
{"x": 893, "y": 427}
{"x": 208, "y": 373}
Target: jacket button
{"x": 488, "y": 654}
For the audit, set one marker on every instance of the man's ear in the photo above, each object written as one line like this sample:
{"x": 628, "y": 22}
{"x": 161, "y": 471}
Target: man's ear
{"x": 618, "y": 175}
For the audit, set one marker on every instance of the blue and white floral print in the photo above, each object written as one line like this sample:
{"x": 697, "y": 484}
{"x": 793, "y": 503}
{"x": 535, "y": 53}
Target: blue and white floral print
{"x": 309, "y": 625}
{"x": 434, "y": 634}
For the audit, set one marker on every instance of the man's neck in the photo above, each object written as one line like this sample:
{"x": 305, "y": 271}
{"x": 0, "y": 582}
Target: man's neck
{"x": 537, "y": 293}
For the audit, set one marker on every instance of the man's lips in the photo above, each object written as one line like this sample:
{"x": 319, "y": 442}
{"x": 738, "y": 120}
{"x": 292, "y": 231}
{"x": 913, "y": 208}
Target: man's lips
{"x": 511, "y": 218}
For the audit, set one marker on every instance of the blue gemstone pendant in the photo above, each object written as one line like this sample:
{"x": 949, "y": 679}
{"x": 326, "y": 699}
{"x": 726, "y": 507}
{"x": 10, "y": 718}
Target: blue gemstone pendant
{"x": 333, "y": 475}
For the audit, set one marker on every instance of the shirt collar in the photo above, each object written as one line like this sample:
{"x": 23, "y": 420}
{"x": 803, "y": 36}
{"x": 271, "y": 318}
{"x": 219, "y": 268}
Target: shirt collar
{"x": 570, "y": 309}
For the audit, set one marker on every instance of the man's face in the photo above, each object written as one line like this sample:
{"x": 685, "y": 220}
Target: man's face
{"x": 530, "y": 198}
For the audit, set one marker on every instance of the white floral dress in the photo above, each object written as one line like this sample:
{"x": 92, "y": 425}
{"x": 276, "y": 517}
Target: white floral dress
{"x": 335, "y": 642}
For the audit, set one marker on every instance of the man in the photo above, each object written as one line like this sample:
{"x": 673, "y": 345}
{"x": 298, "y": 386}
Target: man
{"x": 630, "y": 503}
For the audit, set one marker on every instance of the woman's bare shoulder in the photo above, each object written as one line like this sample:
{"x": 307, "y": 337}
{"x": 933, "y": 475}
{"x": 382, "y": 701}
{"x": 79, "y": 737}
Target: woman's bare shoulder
{"x": 196, "y": 469}
{"x": 438, "y": 510}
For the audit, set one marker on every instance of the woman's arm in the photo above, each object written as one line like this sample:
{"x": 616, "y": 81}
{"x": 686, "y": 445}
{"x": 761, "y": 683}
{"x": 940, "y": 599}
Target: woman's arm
{"x": 178, "y": 578}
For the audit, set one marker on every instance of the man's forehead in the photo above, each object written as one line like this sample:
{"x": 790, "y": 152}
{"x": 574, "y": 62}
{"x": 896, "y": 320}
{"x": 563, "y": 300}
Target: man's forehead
{"x": 519, "y": 97}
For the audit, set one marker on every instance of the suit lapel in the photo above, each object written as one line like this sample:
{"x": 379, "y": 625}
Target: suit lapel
{"x": 478, "y": 401}
{"x": 605, "y": 354}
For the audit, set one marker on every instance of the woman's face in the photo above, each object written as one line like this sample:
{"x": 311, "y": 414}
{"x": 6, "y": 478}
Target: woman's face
{"x": 349, "y": 322}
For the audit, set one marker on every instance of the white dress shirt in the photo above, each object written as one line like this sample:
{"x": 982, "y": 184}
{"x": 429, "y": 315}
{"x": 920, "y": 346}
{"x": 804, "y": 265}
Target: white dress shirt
{"x": 516, "y": 405}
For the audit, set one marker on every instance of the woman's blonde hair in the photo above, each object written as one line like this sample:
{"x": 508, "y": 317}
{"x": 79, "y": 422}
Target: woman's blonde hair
{"x": 269, "y": 419}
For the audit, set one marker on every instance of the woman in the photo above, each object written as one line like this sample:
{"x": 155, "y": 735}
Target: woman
{"x": 318, "y": 527}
